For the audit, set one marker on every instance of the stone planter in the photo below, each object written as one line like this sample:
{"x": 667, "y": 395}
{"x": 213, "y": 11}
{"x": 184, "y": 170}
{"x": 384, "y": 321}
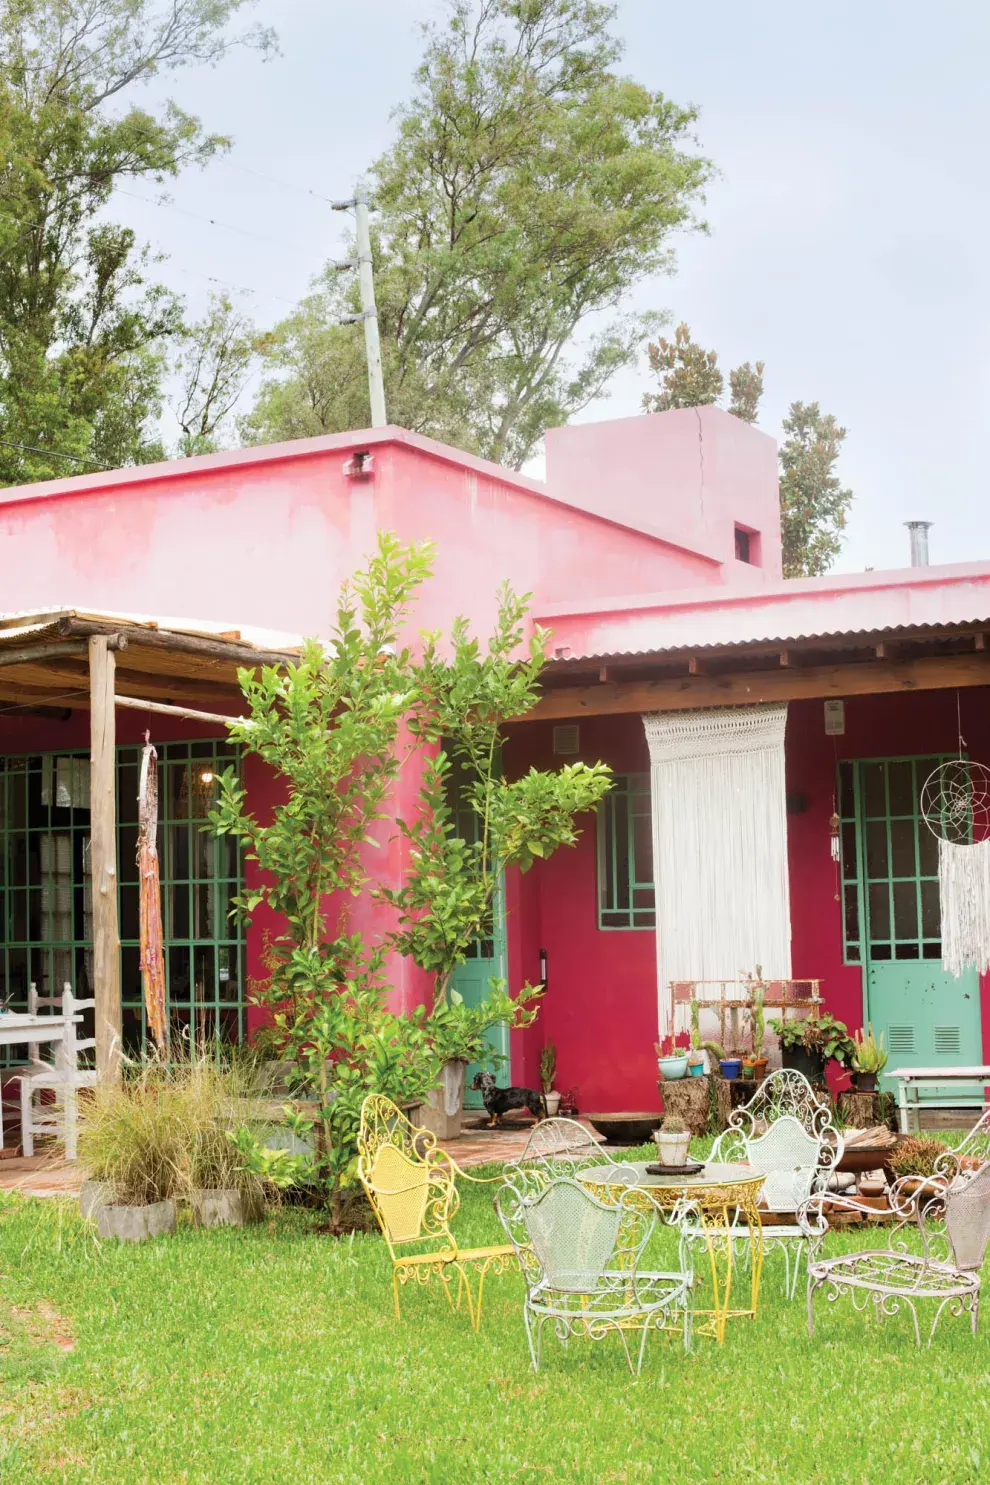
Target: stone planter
{"x": 135, "y": 1224}
{"x": 224, "y": 1208}
{"x": 443, "y": 1110}
{"x": 92, "y": 1196}
{"x": 697, "y": 1100}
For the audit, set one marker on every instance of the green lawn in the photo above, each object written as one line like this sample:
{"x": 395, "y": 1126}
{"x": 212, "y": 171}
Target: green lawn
{"x": 271, "y": 1354}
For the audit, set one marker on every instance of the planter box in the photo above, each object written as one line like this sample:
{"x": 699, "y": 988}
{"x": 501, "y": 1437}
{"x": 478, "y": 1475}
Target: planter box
{"x": 92, "y": 1196}
{"x": 135, "y": 1224}
{"x": 224, "y": 1208}
{"x": 443, "y": 1111}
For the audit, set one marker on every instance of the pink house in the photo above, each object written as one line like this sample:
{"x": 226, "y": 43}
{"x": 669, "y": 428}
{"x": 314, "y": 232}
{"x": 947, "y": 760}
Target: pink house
{"x": 653, "y": 554}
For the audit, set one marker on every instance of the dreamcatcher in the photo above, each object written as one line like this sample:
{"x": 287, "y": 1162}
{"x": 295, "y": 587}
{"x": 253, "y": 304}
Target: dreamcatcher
{"x": 955, "y": 805}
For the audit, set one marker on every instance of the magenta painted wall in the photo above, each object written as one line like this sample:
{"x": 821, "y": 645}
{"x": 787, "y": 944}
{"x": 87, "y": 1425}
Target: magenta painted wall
{"x": 690, "y": 476}
{"x": 601, "y": 1002}
{"x": 265, "y": 537}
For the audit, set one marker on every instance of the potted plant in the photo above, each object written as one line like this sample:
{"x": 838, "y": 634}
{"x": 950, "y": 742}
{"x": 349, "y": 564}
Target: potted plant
{"x": 731, "y": 1067}
{"x": 757, "y": 1021}
{"x": 671, "y": 1060}
{"x": 221, "y": 1189}
{"x": 133, "y": 1139}
{"x": 869, "y": 1059}
{"x": 807, "y": 1045}
{"x": 913, "y": 1164}
{"x": 696, "y": 1056}
{"x": 548, "y": 1071}
{"x": 673, "y": 1140}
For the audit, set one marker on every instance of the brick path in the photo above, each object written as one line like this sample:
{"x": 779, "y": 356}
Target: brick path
{"x": 50, "y": 1175}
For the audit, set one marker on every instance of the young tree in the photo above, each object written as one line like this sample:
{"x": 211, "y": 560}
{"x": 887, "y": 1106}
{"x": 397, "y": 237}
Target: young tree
{"x": 83, "y": 326}
{"x": 472, "y": 823}
{"x": 746, "y": 390}
{"x": 813, "y": 502}
{"x": 529, "y": 187}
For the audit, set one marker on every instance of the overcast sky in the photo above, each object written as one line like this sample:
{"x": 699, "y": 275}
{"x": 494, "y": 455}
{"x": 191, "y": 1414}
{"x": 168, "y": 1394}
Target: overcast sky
{"x": 850, "y": 222}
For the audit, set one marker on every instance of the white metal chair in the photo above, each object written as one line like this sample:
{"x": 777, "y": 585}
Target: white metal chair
{"x": 63, "y": 1077}
{"x": 786, "y": 1132}
{"x": 558, "y": 1147}
{"x": 580, "y": 1259}
{"x": 951, "y": 1213}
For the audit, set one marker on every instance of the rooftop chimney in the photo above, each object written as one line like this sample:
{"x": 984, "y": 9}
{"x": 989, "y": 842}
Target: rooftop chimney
{"x": 919, "y": 542}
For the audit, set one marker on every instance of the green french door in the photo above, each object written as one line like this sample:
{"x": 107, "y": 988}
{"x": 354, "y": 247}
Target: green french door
{"x": 893, "y": 919}
{"x": 487, "y": 956}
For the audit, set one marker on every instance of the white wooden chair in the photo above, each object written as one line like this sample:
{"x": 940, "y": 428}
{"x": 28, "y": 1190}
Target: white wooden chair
{"x": 63, "y": 1077}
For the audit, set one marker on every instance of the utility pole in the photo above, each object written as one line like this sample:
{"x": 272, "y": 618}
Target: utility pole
{"x": 369, "y": 311}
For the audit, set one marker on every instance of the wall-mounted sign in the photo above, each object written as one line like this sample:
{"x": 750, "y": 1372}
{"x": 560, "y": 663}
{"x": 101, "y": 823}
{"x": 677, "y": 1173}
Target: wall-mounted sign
{"x": 835, "y": 718}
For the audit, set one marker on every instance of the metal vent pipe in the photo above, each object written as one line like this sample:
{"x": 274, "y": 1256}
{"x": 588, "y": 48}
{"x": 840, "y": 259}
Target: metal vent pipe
{"x": 919, "y": 542}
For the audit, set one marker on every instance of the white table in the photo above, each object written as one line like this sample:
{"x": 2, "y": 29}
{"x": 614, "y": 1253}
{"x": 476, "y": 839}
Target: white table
{"x": 912, "y": 1081}
{"x": 21, "y": 1029}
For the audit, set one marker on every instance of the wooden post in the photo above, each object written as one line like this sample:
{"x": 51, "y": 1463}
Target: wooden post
{"x": 103, "y": 858}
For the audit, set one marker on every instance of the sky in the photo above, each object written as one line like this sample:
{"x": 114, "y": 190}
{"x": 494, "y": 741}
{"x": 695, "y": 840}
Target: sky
{"x": 848, "y": 224}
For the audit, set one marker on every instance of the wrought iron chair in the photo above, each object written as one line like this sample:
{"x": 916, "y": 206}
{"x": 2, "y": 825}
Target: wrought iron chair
{"x": 951, "y": 1213}
{"x": 412, "y": 1187}
{"x": 580, "y": 1259}
{"x": 557, "y": 1147}
{"x": 786, "y": 1132}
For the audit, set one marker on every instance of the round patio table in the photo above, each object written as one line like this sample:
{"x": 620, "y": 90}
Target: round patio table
{"x": 718, "y": 1192}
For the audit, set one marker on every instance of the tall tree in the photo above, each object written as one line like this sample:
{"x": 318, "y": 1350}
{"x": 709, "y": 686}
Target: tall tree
{"x": 813, "y": 502}
{"x": 83, "y": 325}
{"x": 529, "y": 187}
{"x": 212, "y": 365}
{"x": 689, "y": 376}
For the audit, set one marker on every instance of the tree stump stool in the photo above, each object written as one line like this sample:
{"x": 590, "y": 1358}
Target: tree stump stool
{"x": 695, "y": 1100}
{"x": 859, "y": 1110}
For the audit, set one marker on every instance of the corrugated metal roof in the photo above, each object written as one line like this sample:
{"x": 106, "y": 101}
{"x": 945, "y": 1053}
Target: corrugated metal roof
{"x": 818, "y": 608}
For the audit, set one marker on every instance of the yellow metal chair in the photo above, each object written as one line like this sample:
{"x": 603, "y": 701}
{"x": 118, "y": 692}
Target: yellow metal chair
{"x": 412, "y": 1187}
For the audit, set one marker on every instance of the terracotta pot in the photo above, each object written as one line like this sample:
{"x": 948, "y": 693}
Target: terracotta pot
{"x": 760, "y": 1068}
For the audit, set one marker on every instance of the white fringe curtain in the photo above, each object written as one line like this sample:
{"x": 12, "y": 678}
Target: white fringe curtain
{"x": 964, "y": 889}
{"x": 719, "y": 846}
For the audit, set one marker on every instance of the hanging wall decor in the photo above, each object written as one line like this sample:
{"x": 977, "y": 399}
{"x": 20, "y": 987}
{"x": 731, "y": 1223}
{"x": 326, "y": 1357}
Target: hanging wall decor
{"x": 955, "y": 805}
{"x": 150, "y": 898}
{"x": 718, "y": 803}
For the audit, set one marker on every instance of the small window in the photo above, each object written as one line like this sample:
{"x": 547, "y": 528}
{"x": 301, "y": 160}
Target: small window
{"x": 747, "y": 546}
{"x": 625, "y": 855}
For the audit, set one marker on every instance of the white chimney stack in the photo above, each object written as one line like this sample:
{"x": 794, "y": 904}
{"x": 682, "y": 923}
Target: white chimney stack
{"x": 919, "y": 542}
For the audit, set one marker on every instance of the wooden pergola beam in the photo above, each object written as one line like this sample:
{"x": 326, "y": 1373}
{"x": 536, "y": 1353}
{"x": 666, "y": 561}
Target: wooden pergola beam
{"x": 749, "y": 688}
{"x": 103, "y": 835}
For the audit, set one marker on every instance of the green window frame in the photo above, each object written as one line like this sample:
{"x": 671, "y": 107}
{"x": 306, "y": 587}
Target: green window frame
{"x": 889, "y": 860}
{"x": 46, "y": 887}
{"x": 626, "y": 895}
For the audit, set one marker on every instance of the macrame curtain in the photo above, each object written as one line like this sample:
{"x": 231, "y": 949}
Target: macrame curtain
{"x": 719, "y": 846}
{"x": 964, "y": 889}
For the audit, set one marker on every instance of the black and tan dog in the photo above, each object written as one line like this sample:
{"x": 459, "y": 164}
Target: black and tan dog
{"x": 498, "y": 1101}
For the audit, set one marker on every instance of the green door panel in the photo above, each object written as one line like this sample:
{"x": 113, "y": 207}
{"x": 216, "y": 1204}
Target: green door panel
{"x": 928, "y": 1018}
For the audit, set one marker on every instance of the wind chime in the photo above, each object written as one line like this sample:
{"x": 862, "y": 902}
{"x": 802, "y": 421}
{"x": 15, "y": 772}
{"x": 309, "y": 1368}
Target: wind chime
{"x": 152, "y": 938}
{"x": 955, "y": 805}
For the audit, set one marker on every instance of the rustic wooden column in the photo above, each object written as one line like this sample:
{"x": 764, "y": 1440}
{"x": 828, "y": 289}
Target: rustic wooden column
{"x": 103, "y": 856}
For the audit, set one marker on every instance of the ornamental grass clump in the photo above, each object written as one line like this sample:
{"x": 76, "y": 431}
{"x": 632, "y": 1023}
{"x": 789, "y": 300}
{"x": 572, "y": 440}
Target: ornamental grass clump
{"x": 134, "y": 1137}
{"x": 218, "y": 1101}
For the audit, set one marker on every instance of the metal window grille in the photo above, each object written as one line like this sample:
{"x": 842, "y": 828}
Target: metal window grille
{"x": 626, "y": 897}
{"x": 46, "y": 887}
{"x": 889, "y": 861}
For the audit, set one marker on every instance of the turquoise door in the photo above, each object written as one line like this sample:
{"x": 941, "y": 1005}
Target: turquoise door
{"x": 486, "y": 959}
{"x": 929, "y": 1018}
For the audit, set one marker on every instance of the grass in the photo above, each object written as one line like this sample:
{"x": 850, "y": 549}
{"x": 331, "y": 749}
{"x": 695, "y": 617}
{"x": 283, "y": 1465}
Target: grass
{"x": 271, "y": 1354}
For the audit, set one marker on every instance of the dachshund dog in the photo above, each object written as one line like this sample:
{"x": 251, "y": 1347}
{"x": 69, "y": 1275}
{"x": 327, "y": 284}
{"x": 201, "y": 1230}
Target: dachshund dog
{"x": 498, "y": 1101}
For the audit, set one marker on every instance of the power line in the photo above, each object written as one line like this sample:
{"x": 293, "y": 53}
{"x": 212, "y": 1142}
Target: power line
{"x": 224, "y": 226}
{"x": 240, "y": 288}
{"x": 273, "y": 180}
{"x": 49, "y": 453}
